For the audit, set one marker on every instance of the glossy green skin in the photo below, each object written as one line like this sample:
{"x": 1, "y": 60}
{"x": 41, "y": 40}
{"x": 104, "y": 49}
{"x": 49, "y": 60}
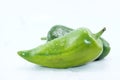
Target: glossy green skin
{"x": 73, "y": 49}
{"x": 57, "y": 31}
{"x": 65, "y": 30}
{"x": 106, "y": 49}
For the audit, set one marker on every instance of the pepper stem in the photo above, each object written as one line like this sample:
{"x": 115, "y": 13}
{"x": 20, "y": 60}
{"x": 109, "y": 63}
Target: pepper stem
{"x": 43, "y": 38}
{"x": 97, "y": 35}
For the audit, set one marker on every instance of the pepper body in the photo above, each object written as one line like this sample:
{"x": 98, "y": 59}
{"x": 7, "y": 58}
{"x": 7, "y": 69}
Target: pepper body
{"x": 59, "y": 31}
{"x": 106, "y": 49}
{"x": 73, "y": 49}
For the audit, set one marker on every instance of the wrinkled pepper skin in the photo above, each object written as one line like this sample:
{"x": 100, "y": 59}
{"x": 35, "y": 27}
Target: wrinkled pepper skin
{"x": 65, "y": 30}
{"x": 73, "y": 49}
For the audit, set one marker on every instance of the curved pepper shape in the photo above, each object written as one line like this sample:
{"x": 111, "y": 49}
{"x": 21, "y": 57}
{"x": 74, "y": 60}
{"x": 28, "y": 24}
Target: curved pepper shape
{"x": 60, "y": 30}
{"x": 73, "y": 49}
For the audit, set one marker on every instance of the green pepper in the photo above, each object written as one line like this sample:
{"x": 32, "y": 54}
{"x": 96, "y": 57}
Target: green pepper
{"x": 73, "y": 49}
{"x": 106, "y": 49}
{"x": 59, "y": 30}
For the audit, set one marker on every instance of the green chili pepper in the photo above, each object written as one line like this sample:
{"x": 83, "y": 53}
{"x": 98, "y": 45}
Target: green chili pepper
{"x": 59, "y": 30}
{"x": 73, "y": 49}
{"x": 106, "y": 49}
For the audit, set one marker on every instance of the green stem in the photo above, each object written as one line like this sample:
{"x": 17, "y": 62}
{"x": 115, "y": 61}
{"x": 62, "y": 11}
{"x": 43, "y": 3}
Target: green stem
{"x": 43, "y": 38}
{"x": 97, "y": 35}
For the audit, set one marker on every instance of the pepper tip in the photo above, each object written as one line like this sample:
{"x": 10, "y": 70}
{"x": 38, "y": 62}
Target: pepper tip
{"x": 104, "y": 29}
{"x": 21, "y": 53}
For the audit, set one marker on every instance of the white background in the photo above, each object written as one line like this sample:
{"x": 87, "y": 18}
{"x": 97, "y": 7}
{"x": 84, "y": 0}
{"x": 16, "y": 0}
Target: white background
{"x": 23, "y": 22}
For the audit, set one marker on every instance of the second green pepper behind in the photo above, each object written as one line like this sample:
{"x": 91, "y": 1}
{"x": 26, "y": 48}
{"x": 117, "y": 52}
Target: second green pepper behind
{"x": 57, "y": 31}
